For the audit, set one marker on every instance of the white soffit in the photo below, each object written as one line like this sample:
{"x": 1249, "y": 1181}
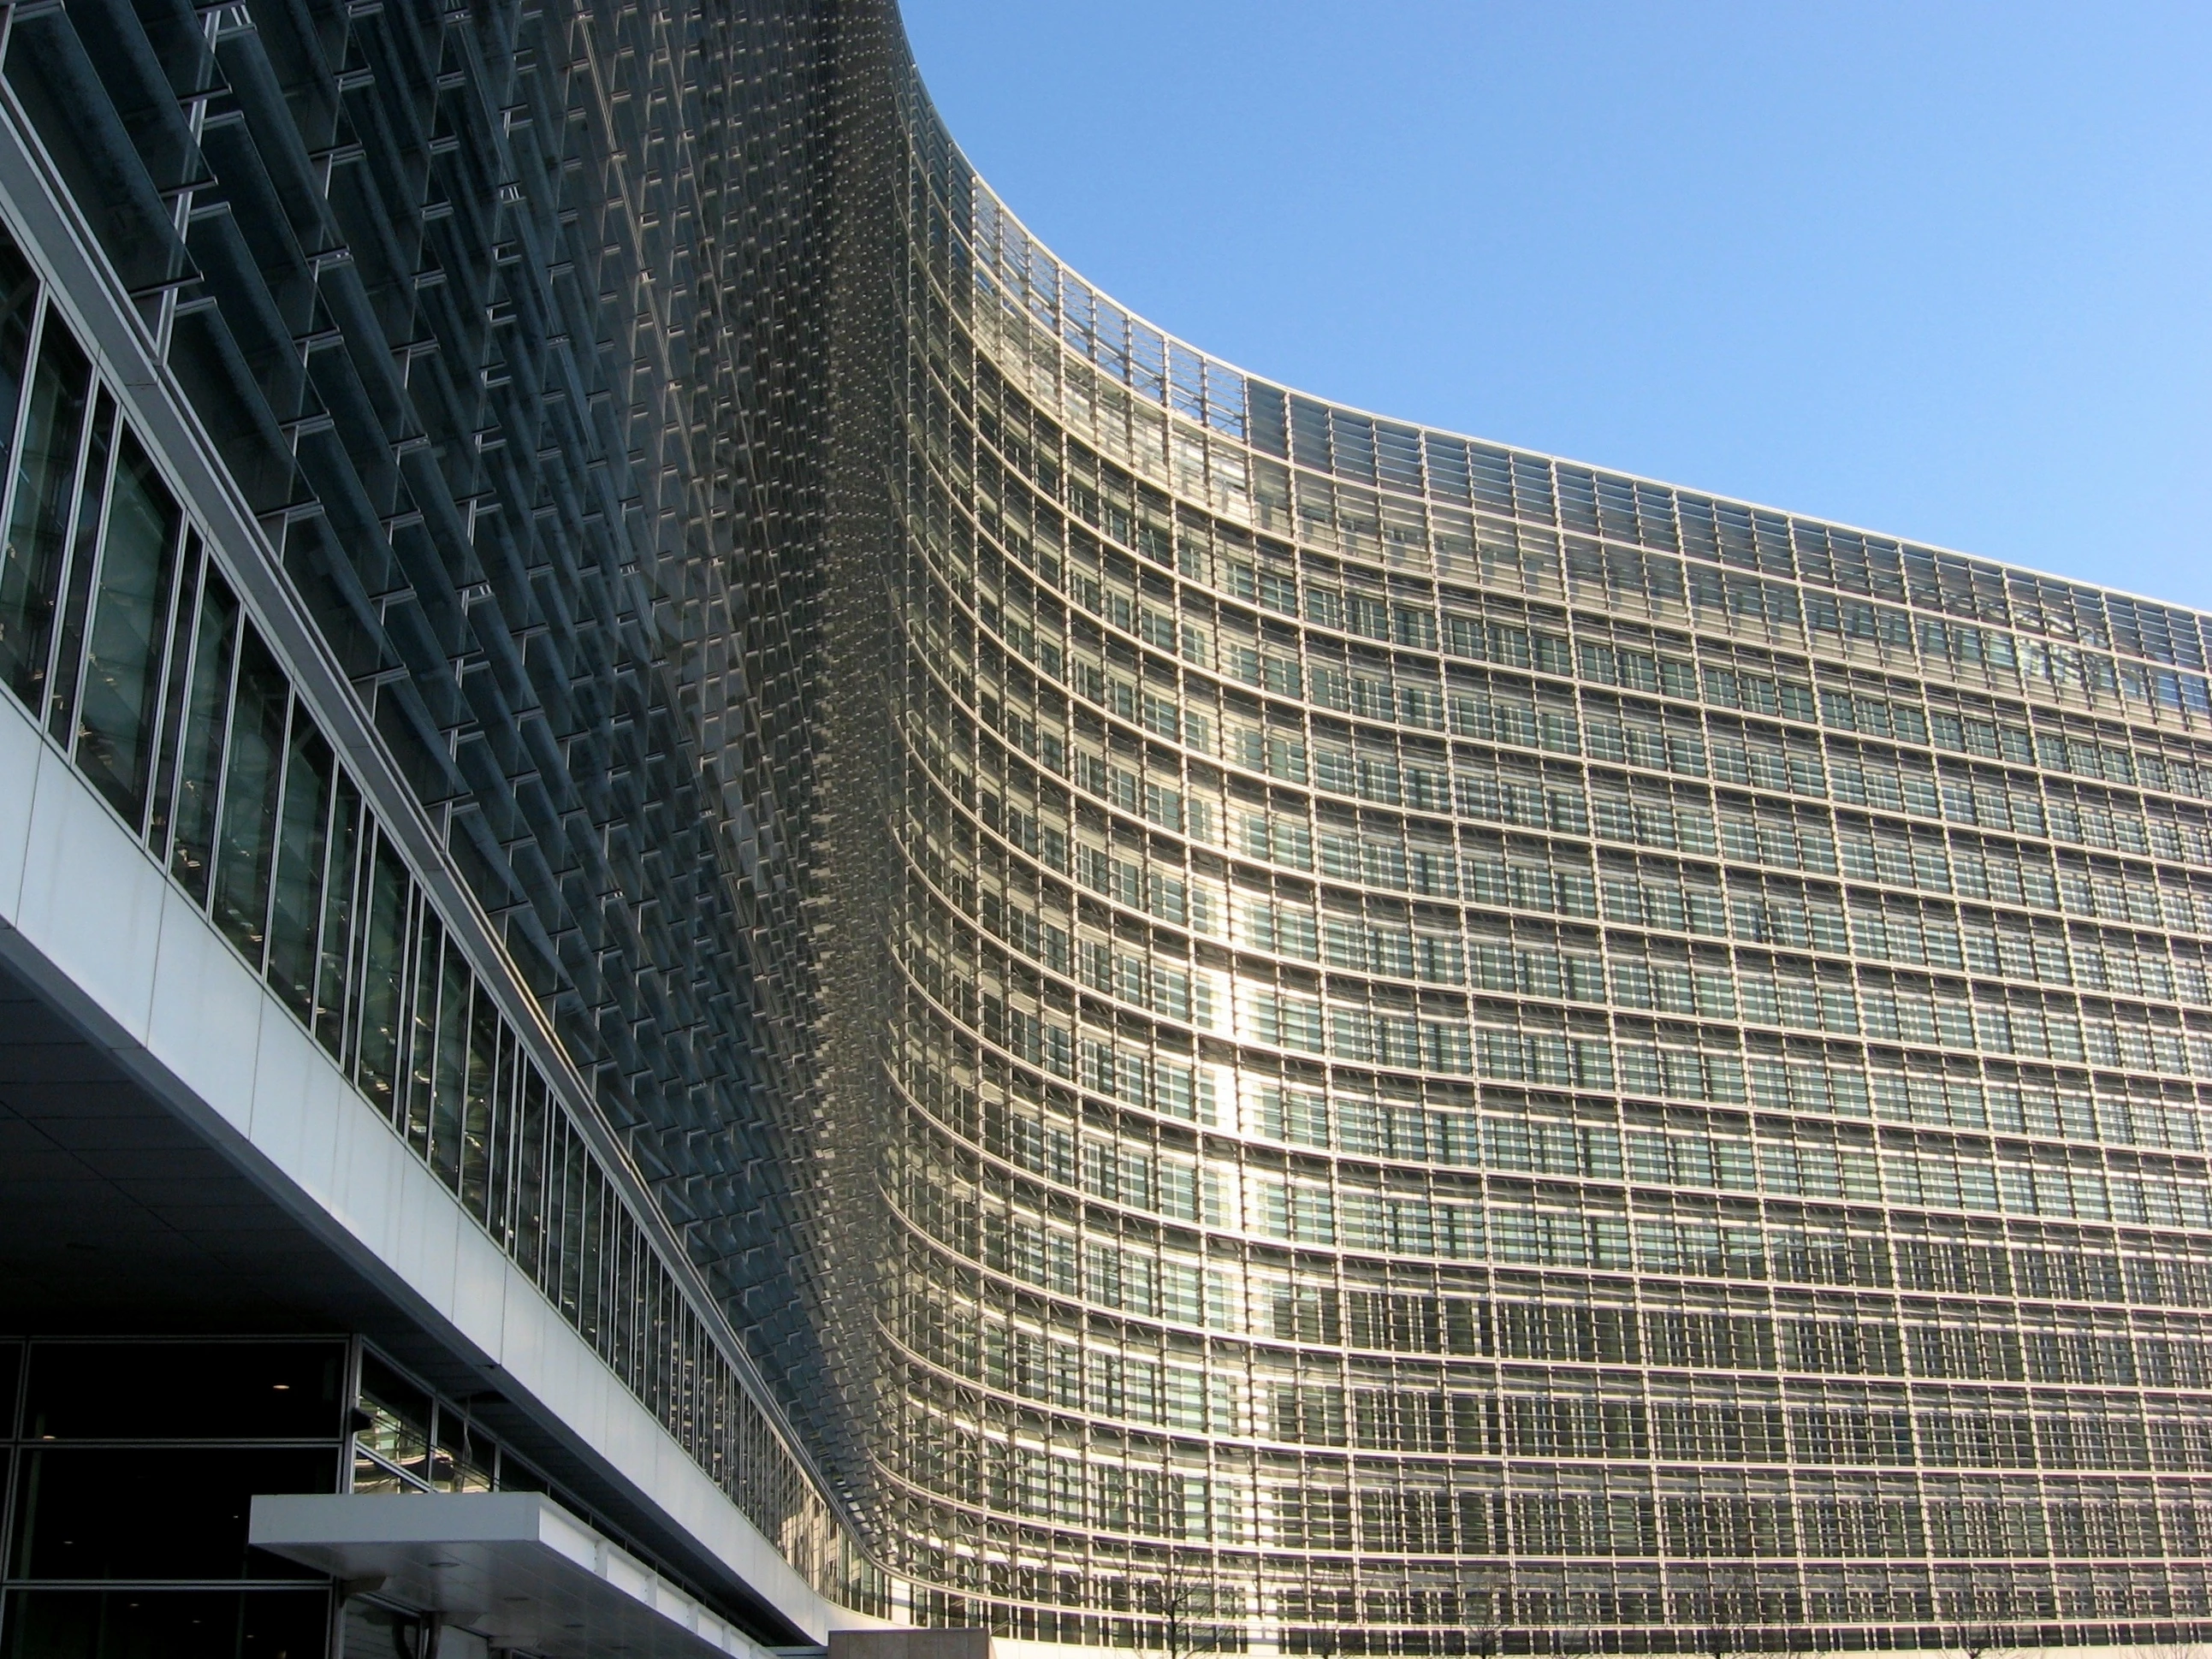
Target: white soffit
{"x": 514, "y": 1567}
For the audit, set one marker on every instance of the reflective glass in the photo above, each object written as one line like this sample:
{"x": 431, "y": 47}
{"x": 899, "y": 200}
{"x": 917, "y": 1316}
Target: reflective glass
{"x": 44, "y": 492}
{"x": 84, "y": 556}
{"x": 206, "y": 723}
{"x": 254, "y": 775}
{"x": 302, "y": 851}
{"x": 130, "y": 624}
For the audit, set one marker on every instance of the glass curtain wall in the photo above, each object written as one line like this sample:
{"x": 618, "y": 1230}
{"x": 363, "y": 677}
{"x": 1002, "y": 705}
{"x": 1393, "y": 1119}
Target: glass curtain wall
{"x": 1271, "y": 1024}
{"x": 1492, "y": 1054}
{"x": 157, "y": 685}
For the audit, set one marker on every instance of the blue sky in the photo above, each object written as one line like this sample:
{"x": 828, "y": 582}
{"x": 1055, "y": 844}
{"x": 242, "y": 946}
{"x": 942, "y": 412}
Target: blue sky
{"x": 1941, "y": 269}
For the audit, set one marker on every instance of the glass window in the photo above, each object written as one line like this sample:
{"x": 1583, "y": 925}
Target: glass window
{"x": 253, "y": 774}
{"x": 297, "y": 901}
{"x": 184, "y": 1391}
{"x": 448, "y": 1094}
{"x": 566, "y": 1220}
{"x": 19, "y": 299}
{"x": 129, "y": 621}
{"x": 154, "y": 1513}
{"x": 529, "y": 1200}
{"x": 37, "y": 523}
{"x": 178, "y": 1624}
{"x": 476, "y": 1147}
{"x": 422, "y": 1032}
{"x": 337, "y": 924}
{"x": 383, "y": 960}
{"x": 174, "y": 700}
{"x": 83, "y": 558}
{"x": 398, "y": 1431}
{"x": 500, "y": 1131}
{"x": 207, "y": 718}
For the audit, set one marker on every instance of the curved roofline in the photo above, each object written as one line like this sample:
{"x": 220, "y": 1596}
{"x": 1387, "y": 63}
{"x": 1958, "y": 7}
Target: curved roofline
{"x": 929, "y": 106}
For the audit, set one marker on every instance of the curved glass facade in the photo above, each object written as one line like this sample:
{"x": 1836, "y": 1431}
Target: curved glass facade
{"x": 1264, "y": 1028}
{"x": 1490, "y": 1053}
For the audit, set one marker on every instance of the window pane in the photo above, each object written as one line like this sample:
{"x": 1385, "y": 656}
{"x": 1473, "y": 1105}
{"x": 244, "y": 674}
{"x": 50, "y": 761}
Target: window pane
{"x": 175, "y": 1624}
{"x": 186, "y": 1518}
{"x": 19, "y": 299}
{"x": 453, "y": 1062}
{"x": 382, "y": 972}
{"x": 477, "y": 1107}
{"x": 297, "y": 901}
{"x": 130, "y": 618}
{"x": 179, "y": 657}
{"x": 338, "y": 918}
{"x": 217, "y": 1390}
{"x": 592, "y": 1263}
{"x": 92, "y": 493}
{"x": 252, "y": 773}
{"x": 207, "y": 718}
{"x": 498, "y": 1143}
{"x": 37, "y": 524}
{"x": 422, "y": 1031}
{"x": 530, "y": 1206}
{"x": 570, "y": 1173}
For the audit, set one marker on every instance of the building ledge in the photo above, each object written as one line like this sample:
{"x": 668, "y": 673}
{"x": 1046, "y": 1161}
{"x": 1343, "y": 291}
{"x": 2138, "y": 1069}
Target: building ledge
{"x": 514, "y": 1568}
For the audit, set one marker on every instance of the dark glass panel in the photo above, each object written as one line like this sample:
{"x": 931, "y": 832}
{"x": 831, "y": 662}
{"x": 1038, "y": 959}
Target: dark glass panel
{"x": 422, "y": 1031}
{"x": 297, "y": 901}
{"x": 369, "y": 1631}
{"x": 168, "y": 1624}
{"x": 252, "y": 773}
{"x": 172, "y": 696}
{"x": 19, "y": 299}
{"x": 1270, "y": 428}
{"x": 398, "y": 1428}
{"x": 384, "y": 960}
{"x": 144, "y": 1512}
{"x": 499, "y": 1136}
{"x": 184, "y": 1390}
{"x": 38, "y": 520}
{"x": 477, "y": 1107}
{"x": 207, "y": 720}
{"x": 447, "y": 1098}
{"x": 569, "y": 1219}
{"x": 85, "y": 550}
{"x": 591, "y": 1269}
{"x": 530, "y": 1177}
{"x": 463, "y": 1461}
{"x": 11, "y": 1369}
{"x": 337, "y": 934}
{"x": 130, "y": 619}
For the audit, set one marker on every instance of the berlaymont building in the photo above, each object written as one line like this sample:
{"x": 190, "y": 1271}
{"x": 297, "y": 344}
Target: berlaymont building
{"x": 725, "y": 915}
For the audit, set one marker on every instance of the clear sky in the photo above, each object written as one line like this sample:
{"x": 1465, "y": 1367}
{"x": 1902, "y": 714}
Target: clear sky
{"x": 1944, "y": 270}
